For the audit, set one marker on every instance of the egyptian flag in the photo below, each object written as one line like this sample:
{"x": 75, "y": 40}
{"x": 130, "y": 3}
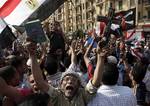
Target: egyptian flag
{"x": 15, "y": 12}
{"x": 128, "y": 19}
{"x": 6, "y": 35}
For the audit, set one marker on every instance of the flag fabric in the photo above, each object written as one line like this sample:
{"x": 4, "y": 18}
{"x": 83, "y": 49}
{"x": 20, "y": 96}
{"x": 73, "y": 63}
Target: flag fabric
{"x": 137, "y": 54}
{"x": 127, "y": 23}
{"x": 15, "y": 12}
{"x": 47, "y": 8}
{"x": 134, "y": 36}
{"x": 128, "y": 19}
{"x": 6, "y": 35}
{"x": 115, "y": 29}
{"x": 100, "y": 27}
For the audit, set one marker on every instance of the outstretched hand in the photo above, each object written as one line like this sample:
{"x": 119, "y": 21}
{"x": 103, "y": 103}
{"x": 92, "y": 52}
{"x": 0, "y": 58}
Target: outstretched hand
{"x": 101, "y": 50}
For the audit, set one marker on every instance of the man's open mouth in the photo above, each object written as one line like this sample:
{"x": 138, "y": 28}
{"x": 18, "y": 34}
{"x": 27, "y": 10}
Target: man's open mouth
{"x": 70, "y": 88}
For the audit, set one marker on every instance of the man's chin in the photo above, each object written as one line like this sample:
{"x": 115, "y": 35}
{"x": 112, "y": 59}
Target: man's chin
{"x": 69, "y": 95}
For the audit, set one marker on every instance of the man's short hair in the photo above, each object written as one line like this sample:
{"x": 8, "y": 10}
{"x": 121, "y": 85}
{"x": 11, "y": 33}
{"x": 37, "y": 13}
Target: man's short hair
{"x": 16, "y": 61}
{"x": 51, "y": 65}
{"x": 110, "y": 74}
{"x": 7, "y": 73}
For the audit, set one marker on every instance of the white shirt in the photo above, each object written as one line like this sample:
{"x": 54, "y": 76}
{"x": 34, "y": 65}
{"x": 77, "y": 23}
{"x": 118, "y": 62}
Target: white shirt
{"x": 146, "y": 79}
{"x": 113, "y": 96}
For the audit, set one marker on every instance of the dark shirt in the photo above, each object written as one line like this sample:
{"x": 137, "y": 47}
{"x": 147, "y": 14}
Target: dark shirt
{"x": 56, "y": 41}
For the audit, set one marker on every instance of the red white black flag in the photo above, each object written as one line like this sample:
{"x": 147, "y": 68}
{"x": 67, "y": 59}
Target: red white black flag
{"x": 15, "y": 12}
{"x": 128, "y": 19}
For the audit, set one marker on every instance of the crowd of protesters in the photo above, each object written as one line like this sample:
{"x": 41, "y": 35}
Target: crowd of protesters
{"x": 74, "y": 72}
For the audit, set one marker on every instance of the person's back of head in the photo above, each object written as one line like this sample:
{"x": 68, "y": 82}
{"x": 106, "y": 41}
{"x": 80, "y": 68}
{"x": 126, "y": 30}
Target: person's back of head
{"x": 16, "y": 61}
{"x": 19, "y": 63}
{"x": 37, "y": 99}
{"x": 110, "y": 74}
{"x": 10, "y": 75}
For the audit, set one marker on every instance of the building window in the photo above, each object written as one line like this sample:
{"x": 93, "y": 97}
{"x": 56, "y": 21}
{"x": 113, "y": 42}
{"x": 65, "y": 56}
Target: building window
{"x": 120, "y": 5}
{"x": 111, "y": 4}
{"x": 139, "y": 1}
{"x": 83, "y": 6}
{"x": 148, "y": 14}
{"x": 139, "y": 15}
{"x": 83, "y": 16}
{"x": 106, "y": 7}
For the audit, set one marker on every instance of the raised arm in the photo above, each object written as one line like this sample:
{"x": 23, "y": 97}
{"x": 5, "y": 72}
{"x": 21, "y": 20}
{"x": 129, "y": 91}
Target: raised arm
{"x": 101, "y": 53}
{"x": 86, "y": 58}
{"x": 73, "y": 54}
{"x": 35, "y": 68}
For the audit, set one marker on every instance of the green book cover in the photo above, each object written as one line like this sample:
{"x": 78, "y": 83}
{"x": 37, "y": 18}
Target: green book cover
{"x": 35, "y": 31}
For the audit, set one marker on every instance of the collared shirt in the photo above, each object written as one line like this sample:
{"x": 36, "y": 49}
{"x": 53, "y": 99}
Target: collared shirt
{"x": 81, "y": 98}
{"x": 113, "y": 96}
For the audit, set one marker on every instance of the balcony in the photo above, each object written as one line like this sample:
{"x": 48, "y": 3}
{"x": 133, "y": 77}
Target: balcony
{"x": 90, "y": 19}
{"x": 70, "y": 16}
{"x": 99, "y": 2}
{"x": 78, "y": 12}
{"x": 70, "y": 7}
{"x": 90, "y": 9}
{"x": 147, "y": 4}
{"x": 78, "y": 3}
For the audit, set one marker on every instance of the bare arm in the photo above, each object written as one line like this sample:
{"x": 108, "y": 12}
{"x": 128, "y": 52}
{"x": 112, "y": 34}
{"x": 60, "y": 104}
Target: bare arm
{"x": 86, "y": 58}
{"x": 73, "y": 54}
{"x": 35, "y": 68}
{"x": 96, "y": 81}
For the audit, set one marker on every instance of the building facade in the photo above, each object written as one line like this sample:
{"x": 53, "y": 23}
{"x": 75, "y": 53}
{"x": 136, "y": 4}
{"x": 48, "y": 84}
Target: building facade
{"x": 81, "y": 14}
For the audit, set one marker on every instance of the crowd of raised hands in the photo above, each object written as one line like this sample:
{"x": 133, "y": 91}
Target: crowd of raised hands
{"x": 33, "y": 76}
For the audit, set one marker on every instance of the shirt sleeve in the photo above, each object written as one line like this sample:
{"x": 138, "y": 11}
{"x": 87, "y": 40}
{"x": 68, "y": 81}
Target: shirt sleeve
{"x": 52, "y": 92}
{"x": 90, "y": 88}
{"x": 90, "y": 70}
{"x": 89, "y": 92}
